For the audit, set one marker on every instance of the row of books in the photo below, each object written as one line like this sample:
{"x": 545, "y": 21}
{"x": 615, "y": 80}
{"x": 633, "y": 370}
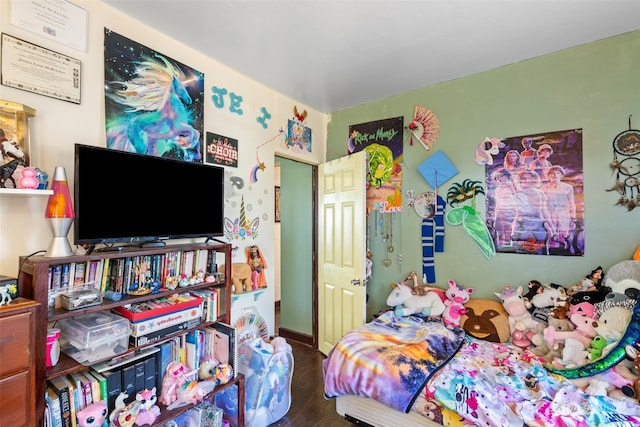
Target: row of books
{"x": 135, "y": 372}
{"x": 127, "y": 274}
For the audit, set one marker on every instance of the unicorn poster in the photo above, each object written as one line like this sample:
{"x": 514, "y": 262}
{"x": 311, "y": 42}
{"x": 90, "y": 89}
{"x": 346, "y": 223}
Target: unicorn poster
{"x": 153, "y": 104}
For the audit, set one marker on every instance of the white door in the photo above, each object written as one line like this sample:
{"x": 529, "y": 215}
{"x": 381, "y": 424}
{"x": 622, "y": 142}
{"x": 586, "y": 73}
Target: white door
{"x": 341, "y": 248}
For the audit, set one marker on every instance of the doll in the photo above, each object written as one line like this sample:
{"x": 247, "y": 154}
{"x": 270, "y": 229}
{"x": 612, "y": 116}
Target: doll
{"x": 258, "y": 264}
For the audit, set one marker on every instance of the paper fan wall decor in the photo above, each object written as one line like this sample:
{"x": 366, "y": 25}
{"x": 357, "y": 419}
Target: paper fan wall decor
{"x": 425, "y": 126}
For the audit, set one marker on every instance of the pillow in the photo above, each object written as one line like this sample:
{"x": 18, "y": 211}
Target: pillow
{"x": 486, "y": 319}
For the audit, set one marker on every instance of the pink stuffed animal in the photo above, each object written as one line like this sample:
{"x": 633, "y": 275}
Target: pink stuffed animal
{"x": 454, "y": 304}
{"x": 584, "y": 332}
{"x": 93, "y": 415}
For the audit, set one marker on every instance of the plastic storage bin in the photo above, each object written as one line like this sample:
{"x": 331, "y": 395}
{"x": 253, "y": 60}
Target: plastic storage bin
{"x": 92, "y": 337}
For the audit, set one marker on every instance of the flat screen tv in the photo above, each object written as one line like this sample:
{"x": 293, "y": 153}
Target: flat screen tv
{"x": 127, "y": 198}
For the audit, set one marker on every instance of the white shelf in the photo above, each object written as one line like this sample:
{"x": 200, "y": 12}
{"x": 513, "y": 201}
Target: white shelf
{"x": 24, "y": 192}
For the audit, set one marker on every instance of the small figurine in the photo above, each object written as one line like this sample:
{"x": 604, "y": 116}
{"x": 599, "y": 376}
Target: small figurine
{"x": 175, "y": 377}
{"x": 5, "y": 293}
{"x": 149, "y": 411}
{"x": 124, "y": 415}
{"x": 258, "y": 264}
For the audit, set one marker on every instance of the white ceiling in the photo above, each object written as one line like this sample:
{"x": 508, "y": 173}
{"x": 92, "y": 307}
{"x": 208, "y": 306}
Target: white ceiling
{"x": 332, "y": 54}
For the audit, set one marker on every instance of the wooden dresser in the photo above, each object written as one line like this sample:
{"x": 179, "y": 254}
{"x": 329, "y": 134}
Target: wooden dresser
{"x": 17, "y": 362}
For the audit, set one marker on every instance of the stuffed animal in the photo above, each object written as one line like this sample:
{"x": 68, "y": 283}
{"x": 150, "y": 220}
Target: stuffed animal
{"x": 519, "y": 317}
{"x": 93, "y": 415}
{"x": 624, "y": 277}
{"x": 486, "y": 319}
{"x": 573, "y": 354}
{"x": 548, "y": 297}
{"x": 454, "y": 304}
{"x": 595, "y": 350}
{"x": 613, "y": 323}
{"x": 149, "y": 411}
{"x": 628, "y": 390}
{"x": 240, "y": 277}
{"x": 533, "y": 288}
{"x": 192, "y": 392}
{"x": 591, "y": 289}
{"x": 406, "y": 303}
{"x": 584, "y": 331}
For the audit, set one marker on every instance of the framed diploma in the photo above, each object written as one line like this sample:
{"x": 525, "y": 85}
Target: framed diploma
{"x": 39, "y": 70}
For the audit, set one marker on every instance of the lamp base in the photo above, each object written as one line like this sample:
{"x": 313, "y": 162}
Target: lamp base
{"x": 59, "y": 246}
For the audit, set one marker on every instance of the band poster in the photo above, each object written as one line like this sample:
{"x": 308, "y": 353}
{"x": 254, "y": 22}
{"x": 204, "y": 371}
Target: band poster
{"x": 535, "y": 194}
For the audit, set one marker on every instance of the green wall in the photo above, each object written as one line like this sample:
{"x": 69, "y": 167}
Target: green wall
{"x": 594, "y": 87}
{"x": 296, "y": 264}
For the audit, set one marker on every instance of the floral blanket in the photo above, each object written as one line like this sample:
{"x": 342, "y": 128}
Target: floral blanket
{"x": 498, "y": 385}
{"x": 389, "y": 359}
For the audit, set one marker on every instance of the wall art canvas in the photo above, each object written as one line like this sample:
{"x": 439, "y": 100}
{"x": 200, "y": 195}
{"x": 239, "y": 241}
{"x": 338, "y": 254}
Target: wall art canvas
{"x": 535, "y": 194}
{"x": 382, "y": 140}
{"x": 221, "y": 150}
{"x": 153, "y": 103}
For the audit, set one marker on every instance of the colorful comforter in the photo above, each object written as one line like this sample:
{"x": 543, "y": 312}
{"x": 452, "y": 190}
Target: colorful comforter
{"x": 493, "y": 384}
{"x": 409, "y": 363}
{"x": 389, "y": 359}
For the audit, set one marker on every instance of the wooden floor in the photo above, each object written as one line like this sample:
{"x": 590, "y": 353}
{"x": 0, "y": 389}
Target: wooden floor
{"x": 308, "y": 406}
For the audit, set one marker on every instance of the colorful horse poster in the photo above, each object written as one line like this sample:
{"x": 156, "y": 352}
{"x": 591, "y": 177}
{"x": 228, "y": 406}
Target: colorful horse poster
{"x": 535, "y": 194}
{"x": 382, "y": 140}
{"x": 153, "y": 104}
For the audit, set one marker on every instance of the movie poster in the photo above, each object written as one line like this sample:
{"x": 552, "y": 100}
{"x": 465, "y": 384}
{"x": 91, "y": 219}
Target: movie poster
{"x": 382, "y": 140}
{"x": 153, "y": 104}
{"x": 535, "y": 194}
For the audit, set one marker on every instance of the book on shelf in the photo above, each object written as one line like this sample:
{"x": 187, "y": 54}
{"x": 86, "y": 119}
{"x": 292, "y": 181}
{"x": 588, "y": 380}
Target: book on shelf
{"x": 150, "y": 373}
{"x": 53, "y": 402}
{"x": 65, "y": 391}
{"x": 163, "y": 358}
{"x": 79, "y": 273}
{"x": 84, "y": 394}
{"x": 139, "y": 370}
{"x": 225, "y": 344}
{"x": 114, "y": 386}
{"x": 98, "y": 385}
{"x": 129, "y": 382}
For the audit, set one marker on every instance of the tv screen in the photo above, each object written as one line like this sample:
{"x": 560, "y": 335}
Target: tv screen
{"x": 123, "y": 197}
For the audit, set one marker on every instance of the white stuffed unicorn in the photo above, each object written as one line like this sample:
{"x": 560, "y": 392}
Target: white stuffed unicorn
{"x": 406, "y": 303}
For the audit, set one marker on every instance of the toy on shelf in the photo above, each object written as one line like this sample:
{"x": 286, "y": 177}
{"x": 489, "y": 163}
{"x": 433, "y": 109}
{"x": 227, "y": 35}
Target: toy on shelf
{"x": 124, "y": 415}
{"x": 257, "y": 263}
{"x": 93, "y": 415}
{"x": 149, "y": 411}
{"x": 176, "y": 375}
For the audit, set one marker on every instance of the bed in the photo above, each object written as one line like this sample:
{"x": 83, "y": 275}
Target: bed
{"x": 413, "y": 371}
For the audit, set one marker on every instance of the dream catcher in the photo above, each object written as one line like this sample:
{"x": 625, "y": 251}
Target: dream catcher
{"x": 626, "y": 167}
{"x": 467, "y": 216}
{"x": 425, "y": 127}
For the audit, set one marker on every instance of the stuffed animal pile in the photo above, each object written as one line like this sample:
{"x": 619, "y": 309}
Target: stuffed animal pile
{"x": 588, "y": 331}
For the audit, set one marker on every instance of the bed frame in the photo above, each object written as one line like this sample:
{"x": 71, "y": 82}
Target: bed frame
{"x": 368, "y": 412}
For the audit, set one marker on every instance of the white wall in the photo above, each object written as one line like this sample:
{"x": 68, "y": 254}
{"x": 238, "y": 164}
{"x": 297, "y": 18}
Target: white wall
{"x": 58, "y": 125}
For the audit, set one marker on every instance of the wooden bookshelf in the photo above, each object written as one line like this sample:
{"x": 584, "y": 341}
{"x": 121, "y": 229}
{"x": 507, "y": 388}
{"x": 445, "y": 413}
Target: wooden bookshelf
{"x": 33, "y": 283}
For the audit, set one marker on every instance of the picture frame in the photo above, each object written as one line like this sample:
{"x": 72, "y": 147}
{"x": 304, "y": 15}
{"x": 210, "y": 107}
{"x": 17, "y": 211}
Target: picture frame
{"x": 15, "y": 123}
{"x": 277, "y": 203}
{"x": 23, "y": 67}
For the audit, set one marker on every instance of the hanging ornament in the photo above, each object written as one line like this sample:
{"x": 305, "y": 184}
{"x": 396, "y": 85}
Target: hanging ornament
{"x": 425, "y": 127}
{"x": 468, "y": 217}
{"x": 626, "y": 168}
